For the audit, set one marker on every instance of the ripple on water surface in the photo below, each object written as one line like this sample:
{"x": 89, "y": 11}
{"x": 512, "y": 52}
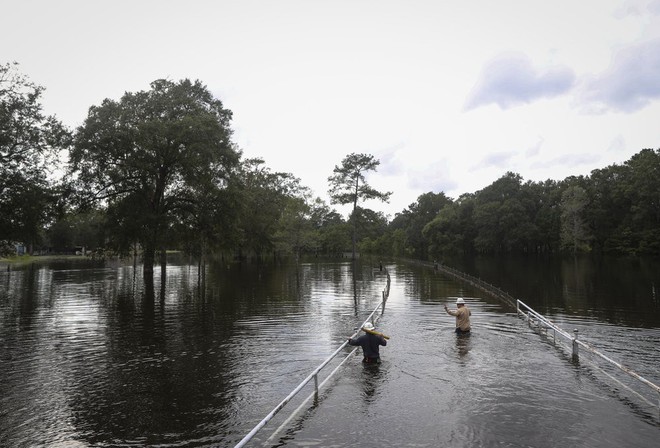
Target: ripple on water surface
{"x": 100, "y": 366}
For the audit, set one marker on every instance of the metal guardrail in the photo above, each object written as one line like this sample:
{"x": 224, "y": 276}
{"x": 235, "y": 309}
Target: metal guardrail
{"x": 544, "y": 323}
{"x": 469, "y": 279}
{"x": 373, "y": 318}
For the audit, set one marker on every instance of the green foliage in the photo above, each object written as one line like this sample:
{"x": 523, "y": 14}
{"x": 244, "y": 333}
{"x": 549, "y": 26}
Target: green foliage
{"x": 642, "y": 188}
{"x": 335, "y": 239}
{"x": 348, "y": 185}
{"x": 575, "y": 235}
{"x": 415, "y": 218}
{"x": 296, "y": 233}
{"x": 84, "y": 229}
{"x": 153, "y": 158}
{"x": 399, "y": 243}
{"x": 264, "y": 196}
{"x": 332, "y": 232}
{"x": 30, "y": 143}
{"x": 444, "y": 233}
{"x": 615, "y": 210}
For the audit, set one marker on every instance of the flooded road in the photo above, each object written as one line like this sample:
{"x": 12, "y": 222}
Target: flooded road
{"x": 86, "y": 361}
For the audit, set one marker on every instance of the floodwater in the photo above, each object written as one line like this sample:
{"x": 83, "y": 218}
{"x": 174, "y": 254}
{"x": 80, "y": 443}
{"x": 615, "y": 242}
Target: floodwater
{"x": 88, "y": 359}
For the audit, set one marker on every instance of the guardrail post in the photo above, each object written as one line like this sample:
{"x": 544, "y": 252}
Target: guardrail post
{"x": 575, "y": 344}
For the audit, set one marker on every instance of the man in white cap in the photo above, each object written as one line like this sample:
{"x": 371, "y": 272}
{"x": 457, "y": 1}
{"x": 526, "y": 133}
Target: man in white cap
{"x": 462, "y": 313}
{"x": 370, "y": 342}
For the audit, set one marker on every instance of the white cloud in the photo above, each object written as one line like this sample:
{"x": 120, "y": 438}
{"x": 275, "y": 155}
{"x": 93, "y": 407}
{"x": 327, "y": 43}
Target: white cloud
{"x": 511, "y": 80}
{"x": 637, "y": 8}
{"x": 573, "y": 160}
{"x": 617, "y": 145}
{"x": 534, "y": 149}
{"x": 654, "y": 7}
{"x": 433, "y": 177}
{"x": 631, "y": 83}
{"x": 496, "y": 160}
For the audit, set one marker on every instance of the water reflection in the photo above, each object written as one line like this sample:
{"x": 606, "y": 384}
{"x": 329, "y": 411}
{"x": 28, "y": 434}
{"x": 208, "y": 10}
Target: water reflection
{"x": 91, "y": 356}
{"x": 617, "y": 290}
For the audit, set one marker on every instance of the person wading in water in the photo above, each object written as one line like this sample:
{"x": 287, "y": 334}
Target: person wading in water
{"x": 462, "y": 313}
{"x": 370, "y": 343}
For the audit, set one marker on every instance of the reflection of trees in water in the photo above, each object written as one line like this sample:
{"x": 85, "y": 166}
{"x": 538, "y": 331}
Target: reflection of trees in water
{"x": 618, "y": 290}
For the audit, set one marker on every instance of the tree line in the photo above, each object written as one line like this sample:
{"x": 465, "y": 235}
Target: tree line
{"x": 157, "y": 170}
{"x": 614, "y": 210}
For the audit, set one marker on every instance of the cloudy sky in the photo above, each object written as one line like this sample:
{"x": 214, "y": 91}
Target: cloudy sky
{"x": 448, "y": 95}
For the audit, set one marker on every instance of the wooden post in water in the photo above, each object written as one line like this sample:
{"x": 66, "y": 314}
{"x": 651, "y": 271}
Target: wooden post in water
{"x": 575, "y": 344}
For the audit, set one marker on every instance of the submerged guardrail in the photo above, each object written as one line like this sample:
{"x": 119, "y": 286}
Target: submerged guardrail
{"x": 545, "y": 324}
{"x": 541, "y": 322}
{"x": 373, "y": 318}
{"x": 492, "y": 290}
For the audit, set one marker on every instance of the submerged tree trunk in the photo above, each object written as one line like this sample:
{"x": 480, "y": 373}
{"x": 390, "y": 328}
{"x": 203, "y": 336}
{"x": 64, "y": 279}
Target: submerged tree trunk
{"x": 163, "y": 272}
{"x": 149, "y": 256}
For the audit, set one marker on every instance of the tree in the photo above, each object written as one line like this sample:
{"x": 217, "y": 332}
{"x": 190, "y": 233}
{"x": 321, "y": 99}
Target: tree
{"x": 348, "y": 185}
{"x": 546, "y": 197}
{"x": 149, "y": 155}
{"x": 330, "y": 228}
{"x": 264, "y": 196}
{"x": 77, "y": 230}
{"x": 416, "y": 217}
{"x": 642, "y": 187}
{"x": 30, "y": 143}
{"x": 444, "y": 232}
{"x": 504, "y": 216}
{"x": 608, "y": 208}
{"x": 295, "y": 230}
{"x": 575, "y": 234}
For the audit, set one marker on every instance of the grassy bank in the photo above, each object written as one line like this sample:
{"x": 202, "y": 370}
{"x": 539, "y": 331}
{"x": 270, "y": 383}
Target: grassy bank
{"x": 25, "y": 259}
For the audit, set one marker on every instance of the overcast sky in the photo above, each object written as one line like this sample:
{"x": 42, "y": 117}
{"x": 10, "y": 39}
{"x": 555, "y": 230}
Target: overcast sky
{"x": 448, "y": 95}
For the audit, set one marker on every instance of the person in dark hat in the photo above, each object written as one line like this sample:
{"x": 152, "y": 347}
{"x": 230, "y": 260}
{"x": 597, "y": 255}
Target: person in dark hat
{"x": 462, "y": 313}
{"x": 370, "y": 343}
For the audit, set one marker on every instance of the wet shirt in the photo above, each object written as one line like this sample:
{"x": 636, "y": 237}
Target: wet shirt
{"x": 370, "y": 344}
{"x": 462, "y": 317}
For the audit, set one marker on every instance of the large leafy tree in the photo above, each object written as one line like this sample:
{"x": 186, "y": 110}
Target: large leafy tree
{"x": 416, "y": 217}
{"x": 30, "y": 143}
{"x": 546, "y": 197}
{"x": 348, "y": 185}
{"x": 152, "y": 154}
{"x": 264, "y": 197}
{"x": 333, "y": 237}
{"x": 642, "y": 187}
{"x": 449, "y": 232}
{"x": 296, "y": 232}
{"x": 504, "y": 216}
{"x": 575, "y": 234}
